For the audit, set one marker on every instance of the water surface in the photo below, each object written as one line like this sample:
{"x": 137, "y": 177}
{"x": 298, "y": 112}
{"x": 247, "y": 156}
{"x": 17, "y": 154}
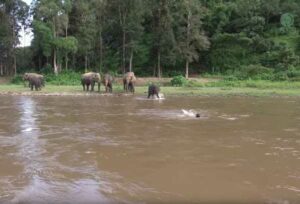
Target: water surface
{"x": 126, "y": 149}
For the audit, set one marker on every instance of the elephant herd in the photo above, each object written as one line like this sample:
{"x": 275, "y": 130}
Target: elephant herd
{"x": 88, "y": 80}
{"x": 91, "y": 78}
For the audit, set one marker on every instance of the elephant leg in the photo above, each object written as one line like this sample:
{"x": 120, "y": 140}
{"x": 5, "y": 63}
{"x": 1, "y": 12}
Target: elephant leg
{"x": 83, "y": 86}
{"x": 99, "y": 84}
{"x": 31, "y": 86}
{"x": 92, "y": 86}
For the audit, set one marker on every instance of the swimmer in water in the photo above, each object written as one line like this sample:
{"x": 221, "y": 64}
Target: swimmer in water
{"x": 191, "y": 113}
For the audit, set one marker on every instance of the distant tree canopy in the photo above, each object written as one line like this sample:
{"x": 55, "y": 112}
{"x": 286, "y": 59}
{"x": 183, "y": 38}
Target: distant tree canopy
{"x": 151, "y": 37}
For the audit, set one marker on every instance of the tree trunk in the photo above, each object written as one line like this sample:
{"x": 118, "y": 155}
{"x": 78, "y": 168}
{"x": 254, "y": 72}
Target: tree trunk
{"x": 54, "y": 62}
{"x": 40, "y": 62}
{"x": 122, "y": 18}
{"x": 85, "y": 62}
{"x": 123, "y": 52}
{"x": 66, "y": 61}
{"x": 1, "y": 69}
{"x": 54, "y": 50}
{"x": 188, "y": 27}
{"x": 101, "y": 52}
{"x": 154, "y": 70}
{"x": 15, "y": 64}
{"x": 66, "y": 55}
{"x": 158, "y": 65}
{"x": 187, "y": 69}
{"x": 130, "y": 62}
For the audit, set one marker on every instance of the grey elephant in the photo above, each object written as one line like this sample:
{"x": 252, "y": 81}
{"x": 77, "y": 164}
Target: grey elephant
{"x": 153, "y": 90}
{"x": 89, "y": 79}
{"x": 34, "y": 80}
{"x": 107, "y": 81}
{"x": 129, "y": 82}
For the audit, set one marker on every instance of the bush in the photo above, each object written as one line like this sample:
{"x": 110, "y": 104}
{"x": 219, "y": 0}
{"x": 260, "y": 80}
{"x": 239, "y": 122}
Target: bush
{"x": 64, "y": 78}
{"x": 194, "y": 83}
{"x": 18, "y": 79}
{"x": 281, "y": 76}
{"x": 293, "y": 73}
{"x": 172, "y": 73}
{"x": 47, "y": 69}
{"x": 230, "y": 78}
{"x": 179, "y": 81}
{"x": 251, "y": 72}
{"x": 257, "y": 72}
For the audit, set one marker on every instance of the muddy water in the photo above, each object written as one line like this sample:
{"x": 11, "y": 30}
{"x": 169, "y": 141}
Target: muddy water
{"x": 111, "y": 149}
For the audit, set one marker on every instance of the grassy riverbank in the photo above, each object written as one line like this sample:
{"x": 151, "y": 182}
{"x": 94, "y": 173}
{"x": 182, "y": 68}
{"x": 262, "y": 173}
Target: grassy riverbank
{"x": 215, "y": 88}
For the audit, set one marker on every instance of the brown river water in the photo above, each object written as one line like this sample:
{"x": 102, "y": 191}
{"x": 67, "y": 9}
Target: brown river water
{"x": 127, "y": 149}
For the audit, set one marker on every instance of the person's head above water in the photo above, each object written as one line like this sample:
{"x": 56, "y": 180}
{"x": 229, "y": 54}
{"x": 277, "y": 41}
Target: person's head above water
{"x": 197, "y": 115}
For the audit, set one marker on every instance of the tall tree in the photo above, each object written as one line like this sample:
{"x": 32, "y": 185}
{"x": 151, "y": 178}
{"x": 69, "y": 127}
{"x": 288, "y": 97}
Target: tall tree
{"x": 190, "y": 36}
{"x": 52, "y": 15}
{"x": 83, "y": 27}
{"x": 134, "y": 27}
{"x": 13, "y": 14}
{"x": 100, "y": 13}
{"x": 163, "y": 34}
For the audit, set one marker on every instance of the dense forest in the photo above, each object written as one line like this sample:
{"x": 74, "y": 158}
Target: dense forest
{"x": 152, "y": 37}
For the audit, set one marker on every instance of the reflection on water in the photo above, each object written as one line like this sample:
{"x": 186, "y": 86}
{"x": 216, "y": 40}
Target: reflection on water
{"x": 100, "y": 149}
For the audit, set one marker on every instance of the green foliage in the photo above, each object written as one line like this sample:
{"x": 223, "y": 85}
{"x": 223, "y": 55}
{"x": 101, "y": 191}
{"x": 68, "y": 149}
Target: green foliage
{"x": 242, "y": 39}
{"x": 64, "y": 78}
{"x": 67, "y": 45}
{"x": 18, "y": 79}
{"x": 256, "y": 72}
{"x": 47, "y": 69}
{"x": 179, "y": 81}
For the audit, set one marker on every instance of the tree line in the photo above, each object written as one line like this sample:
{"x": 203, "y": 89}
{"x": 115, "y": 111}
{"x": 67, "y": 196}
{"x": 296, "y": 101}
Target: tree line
{"x": 151, "y": 37}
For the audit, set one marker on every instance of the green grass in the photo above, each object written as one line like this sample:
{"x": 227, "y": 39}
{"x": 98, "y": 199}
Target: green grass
{"x": 259, "y": 84}
{"x": 220, "y": 88}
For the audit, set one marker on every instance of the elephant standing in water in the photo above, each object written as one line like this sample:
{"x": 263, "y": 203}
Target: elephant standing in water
{"x": 90, "y": 78}
{"x": 107, "y": 82}
{"x": 153, "y": 90}
{"x": 129, "y": 82}
{"x": 34, "y": 80}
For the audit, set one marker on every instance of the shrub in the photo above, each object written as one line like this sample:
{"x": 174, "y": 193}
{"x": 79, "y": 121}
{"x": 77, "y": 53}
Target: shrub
{"x": 18, "y": 79}
{"x": 64, "y": 78}
{"x": 179, "y": 81}
{"x": 280, "y": 76}
{"x": 293, "y": 73}
{"x": 251, "y": 72}
{"x": 194, "y": 83}
{"x": 172, "y": 73}
{"x": 230, "y": 78}
{"x": 47, "y": 69}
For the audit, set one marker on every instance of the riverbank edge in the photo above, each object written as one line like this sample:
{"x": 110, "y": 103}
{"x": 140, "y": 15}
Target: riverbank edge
{"x": 55, "y": 90}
